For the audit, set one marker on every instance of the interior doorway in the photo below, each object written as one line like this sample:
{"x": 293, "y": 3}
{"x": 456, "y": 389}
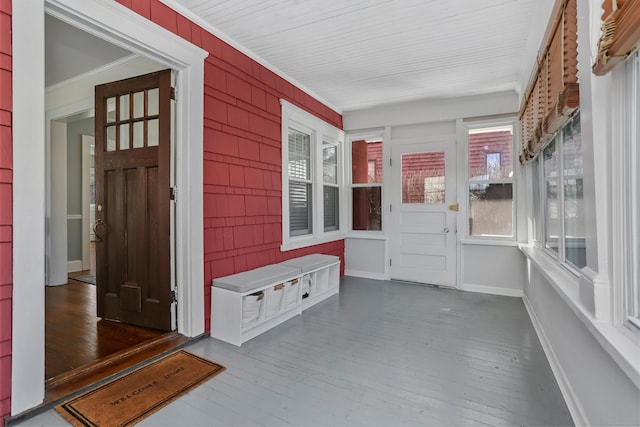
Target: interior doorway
{"x": 121, "y": 26}
{"x": 80, "y": 345}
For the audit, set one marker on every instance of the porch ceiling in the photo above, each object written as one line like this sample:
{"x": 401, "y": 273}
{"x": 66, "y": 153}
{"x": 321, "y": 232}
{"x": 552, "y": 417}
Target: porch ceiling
{"x": 362, "y": 53}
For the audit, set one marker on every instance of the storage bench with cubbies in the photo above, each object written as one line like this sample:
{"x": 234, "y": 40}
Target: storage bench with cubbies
{"x": 246, "y": 304}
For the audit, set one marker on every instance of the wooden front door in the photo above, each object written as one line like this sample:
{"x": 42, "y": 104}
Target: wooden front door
{"x": 132, "y": 160}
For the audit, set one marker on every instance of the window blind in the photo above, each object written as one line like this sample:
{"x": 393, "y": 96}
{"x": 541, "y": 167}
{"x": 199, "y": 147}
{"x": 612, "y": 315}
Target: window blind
{"x": 553, "y": 95}
{"x": 300, "y": 186}
{"x": 620, "y": 33}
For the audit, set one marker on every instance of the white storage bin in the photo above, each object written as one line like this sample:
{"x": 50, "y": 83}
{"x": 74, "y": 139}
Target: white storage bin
{"x": 251, "y": 308}
{"x": 273, "y": 300}
{"x": 291, "y": 292}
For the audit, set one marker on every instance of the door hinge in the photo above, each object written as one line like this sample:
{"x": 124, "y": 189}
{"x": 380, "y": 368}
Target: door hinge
{"x": 390, "y": 263}
{"x": 390, "y": 161}
{"x": 174, "y": 297}
{"x": 173, "y": 193}
{"x": 173, "y": 93}
{"x": 390, "y": 208}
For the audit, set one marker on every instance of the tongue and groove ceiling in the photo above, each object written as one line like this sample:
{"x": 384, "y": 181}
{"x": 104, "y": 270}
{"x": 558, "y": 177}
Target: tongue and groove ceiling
{"x": 355, "y": 54}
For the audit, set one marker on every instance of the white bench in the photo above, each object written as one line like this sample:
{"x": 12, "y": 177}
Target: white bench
{"x": 246, "y": 304}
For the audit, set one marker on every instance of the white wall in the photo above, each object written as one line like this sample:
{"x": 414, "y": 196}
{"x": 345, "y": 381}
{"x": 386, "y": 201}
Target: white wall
{"x": 428, "y": 120}
{"x": 365, "y": 258}
{"x": 492, "y": 269}
{"x": 596, "y": 390}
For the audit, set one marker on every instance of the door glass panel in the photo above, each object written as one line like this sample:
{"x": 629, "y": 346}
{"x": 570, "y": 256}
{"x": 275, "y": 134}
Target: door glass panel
{"x": 138, "y": 135}
{"x": 124, "y": 107}
{"x": 111, "y": 138}
{"x": 152, "y": 130}
{"x": 152, "y": 101}
{"x": 138, "y": 104}
{"x": 124, "y": 136}
{"x": 423, "y": 178}
{"x": 366, "y": 162}
{"x": 111, "y": 110}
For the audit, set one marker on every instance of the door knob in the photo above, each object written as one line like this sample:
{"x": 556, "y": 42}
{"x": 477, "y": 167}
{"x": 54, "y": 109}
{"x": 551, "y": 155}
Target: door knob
{"x": 445, "y": 231}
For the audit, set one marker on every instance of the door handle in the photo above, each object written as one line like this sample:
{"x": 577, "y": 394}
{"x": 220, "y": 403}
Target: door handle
{"x": 95, "y": 231}
{"x": 445, "y": 231}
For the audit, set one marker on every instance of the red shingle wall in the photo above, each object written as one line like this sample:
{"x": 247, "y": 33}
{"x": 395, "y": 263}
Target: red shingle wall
{"x": 242, "y": 153}
{"x": 6, "y": 208}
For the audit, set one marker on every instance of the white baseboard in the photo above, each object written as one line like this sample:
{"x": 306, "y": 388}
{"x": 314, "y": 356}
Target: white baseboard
{"x": 570, "y": 397}
{"x": 493, "y": 290}
{"x": 365, "y": 274}
{"x": 73, "y": 266}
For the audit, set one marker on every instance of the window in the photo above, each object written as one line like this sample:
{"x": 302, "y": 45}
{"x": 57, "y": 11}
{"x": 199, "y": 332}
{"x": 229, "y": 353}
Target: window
{"x": 366, "y": 184}
{"x": 311, "y": 179}
{"x": 490, "y": 185}
{"x": 562, "y": 196}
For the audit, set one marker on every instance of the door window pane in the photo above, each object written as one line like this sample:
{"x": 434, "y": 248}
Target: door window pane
{"x": 152, "y": 102}
{"x": 138, "y": 135}
{"x": 111, "y": 138}
{"x": 124, "y": 107}
{"x": 138, "y": 104}
{"x": 367, "y": 208}
{"x": 423, "y": 178}
{"x": 152, "y": 129}
{"x": 366, "y": 162}
{"x": 111, "y": 110}
{"x": 124, "y": 136}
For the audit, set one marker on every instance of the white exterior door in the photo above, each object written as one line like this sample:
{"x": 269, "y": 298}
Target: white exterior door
{"x": 423, "y": 213}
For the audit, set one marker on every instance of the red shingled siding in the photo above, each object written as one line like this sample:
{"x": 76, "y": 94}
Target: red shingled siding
{"x": 6, "y": 208}
{"x": 242, "y": 153}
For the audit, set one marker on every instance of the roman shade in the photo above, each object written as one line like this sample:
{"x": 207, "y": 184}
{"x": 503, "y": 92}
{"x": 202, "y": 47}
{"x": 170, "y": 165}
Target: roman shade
{"x": 620, "y": 33}
{"x": 553, "y": 94}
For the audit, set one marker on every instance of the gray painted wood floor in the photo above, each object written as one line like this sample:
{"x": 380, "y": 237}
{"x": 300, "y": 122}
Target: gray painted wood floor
{"x": 379, "y": 354}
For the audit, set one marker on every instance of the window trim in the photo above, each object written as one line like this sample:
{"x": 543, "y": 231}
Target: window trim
{"x": 350, "y": 138}
{"x": 559, "y": 257}
{"x": 320, "y": 131}
{"x": 482, "y": 124}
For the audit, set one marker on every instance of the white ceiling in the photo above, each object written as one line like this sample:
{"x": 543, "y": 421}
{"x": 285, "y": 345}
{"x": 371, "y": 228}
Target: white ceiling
{"x": 355, "y": 54}
{"x": 69, "y": 51}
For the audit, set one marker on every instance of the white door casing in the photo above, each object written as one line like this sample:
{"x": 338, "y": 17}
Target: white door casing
{"x": 423, "y": 225}
{"x": 127, "y": 29}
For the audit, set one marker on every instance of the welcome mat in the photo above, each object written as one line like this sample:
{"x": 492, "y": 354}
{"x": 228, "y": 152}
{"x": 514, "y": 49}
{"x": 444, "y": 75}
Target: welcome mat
{"x": 126, "y": 400}
{"x": 87, "y": 278}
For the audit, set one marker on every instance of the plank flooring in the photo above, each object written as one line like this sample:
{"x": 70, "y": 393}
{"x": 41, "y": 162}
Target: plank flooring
{"x": 379, "y": 354}
{"x": 74, "y": 335}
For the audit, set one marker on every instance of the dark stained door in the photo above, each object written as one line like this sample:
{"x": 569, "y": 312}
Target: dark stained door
{"x": 133, "y": 138}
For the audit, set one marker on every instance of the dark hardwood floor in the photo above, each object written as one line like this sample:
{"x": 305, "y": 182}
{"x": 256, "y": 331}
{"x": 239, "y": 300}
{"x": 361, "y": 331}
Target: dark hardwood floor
{"x": 75, "y": 337}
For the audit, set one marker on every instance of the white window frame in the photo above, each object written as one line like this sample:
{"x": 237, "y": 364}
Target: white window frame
{"x": 541, "y": 239}
{"x": 371, "y": 136}
{"x": 625, "y": 192}
{"x": 320, "y": 131}
{"x": 485, "y": 124}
